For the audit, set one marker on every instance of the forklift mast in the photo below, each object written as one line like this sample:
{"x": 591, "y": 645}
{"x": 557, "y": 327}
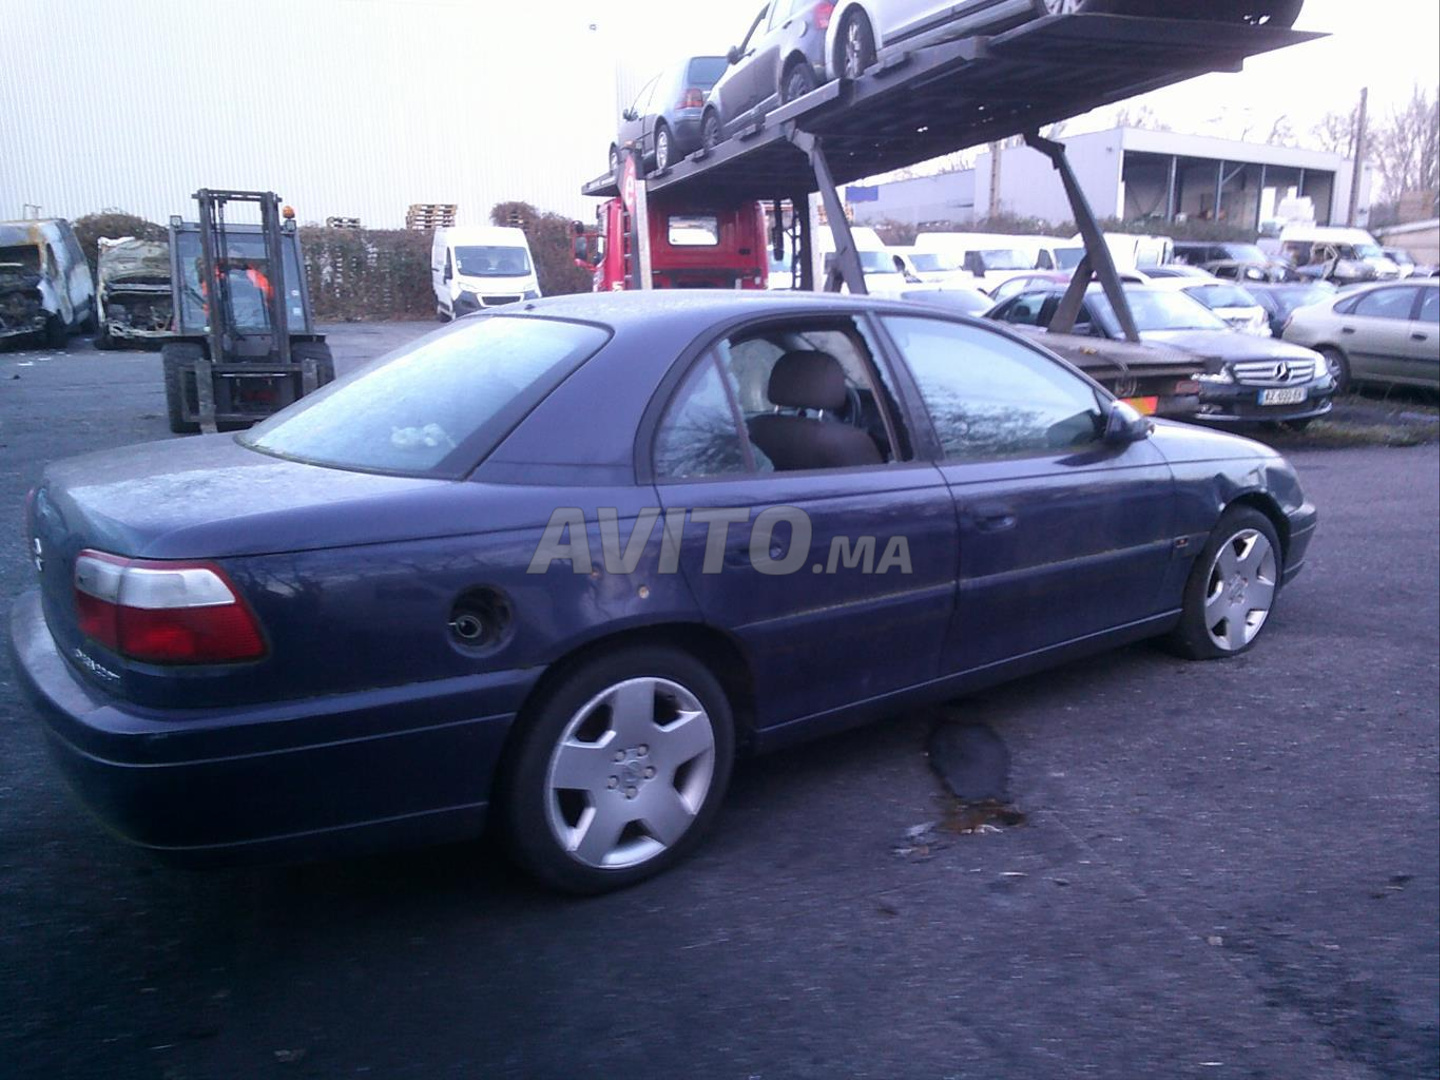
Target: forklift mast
{"x": 224, "y": 330}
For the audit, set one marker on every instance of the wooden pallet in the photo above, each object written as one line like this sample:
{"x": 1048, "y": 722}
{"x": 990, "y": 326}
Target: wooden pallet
{"x": 342, "y": 223}
{"x": 431, "y": 215}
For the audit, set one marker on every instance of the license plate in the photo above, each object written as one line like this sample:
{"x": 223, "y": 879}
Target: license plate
{"x": 1290, "y": 395}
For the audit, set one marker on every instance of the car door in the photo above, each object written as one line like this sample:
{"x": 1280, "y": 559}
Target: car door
{"x": 1422, "y": 360}
{"x": 837, "y": 576}
{"x": 633, "y": 128}
{"x": 1375, "y": 331}
{"x": 762, "y": 67}
{"x": 1063, "y": 536}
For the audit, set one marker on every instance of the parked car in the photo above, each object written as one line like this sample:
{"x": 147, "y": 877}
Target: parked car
{"x": 46, "y": 292}
{"x": 1041, "y": 280}
{"x": 1236, "y": 306}
{"x": 794, "y": 46}
{"x": 473, "y": 267}
{"x": 1179, "y": 270}
{"x": 1245, "y": 379}
{"x": 663, "y": 122}
{"x": 1387, "y": 333}
{"x": 1280, "y": 300}
{"x": 965, "y": 301}
{"x": 133, "y": 301}
{"x": 883, "y": 276}
{"x": 404, "y": 604}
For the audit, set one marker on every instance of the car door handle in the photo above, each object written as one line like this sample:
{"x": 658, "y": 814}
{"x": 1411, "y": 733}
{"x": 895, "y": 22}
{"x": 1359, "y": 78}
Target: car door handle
{"x": 1347, "y": 330}
{"x": 1419, "y": 337}
{"x": 992, "y": 518}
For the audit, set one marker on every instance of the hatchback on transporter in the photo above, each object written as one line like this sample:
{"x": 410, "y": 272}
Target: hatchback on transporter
{"x": 558, "y": 565}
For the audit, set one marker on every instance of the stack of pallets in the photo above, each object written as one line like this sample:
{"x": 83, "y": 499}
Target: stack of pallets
{"x": 342, "y": 223}
{"x": 430, "y": 215}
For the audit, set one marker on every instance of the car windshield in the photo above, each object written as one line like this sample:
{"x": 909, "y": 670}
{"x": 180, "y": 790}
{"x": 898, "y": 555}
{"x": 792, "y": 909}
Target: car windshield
{"x": 930, "y": 262}
{"x": 492, "y": 260}
{"x": 877, "y": 262}
{"x": 1006, "y": 259}
{"x": 435, "y": 407}
{"x": 1069, "y": 258}
{"x": 705, "y": 71}
{"x": 1157, "y": 310}
{"x": 1222, "y": 296}
{"x": 1369, "y": 251}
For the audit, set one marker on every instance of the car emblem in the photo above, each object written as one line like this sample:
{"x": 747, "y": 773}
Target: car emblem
{"x": 38, "y": 555}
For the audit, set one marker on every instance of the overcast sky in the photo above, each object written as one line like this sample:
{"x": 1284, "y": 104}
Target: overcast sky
{"x": 1388, "y": 45}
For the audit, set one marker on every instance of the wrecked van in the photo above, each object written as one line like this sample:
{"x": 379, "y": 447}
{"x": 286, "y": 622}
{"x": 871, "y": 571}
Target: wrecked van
{"x": 133, "y": 299}
{"x": 45, "y": 286}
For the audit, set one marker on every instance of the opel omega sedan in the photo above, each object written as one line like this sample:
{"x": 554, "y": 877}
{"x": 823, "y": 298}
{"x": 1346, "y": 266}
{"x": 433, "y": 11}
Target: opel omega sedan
{"x": 559, "y": 564}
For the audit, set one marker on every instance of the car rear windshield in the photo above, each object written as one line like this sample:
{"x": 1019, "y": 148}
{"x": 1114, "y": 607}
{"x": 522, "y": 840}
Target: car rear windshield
{"x": 705, "y": 71}
{"x": 437, "y": 406}
{"x": 1222, "y": 296}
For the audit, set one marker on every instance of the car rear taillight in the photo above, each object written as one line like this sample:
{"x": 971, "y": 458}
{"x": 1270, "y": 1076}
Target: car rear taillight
{"x": 822, "y": 14}
{"x": 694, "y": 99}
{"x": 163, "y": 612}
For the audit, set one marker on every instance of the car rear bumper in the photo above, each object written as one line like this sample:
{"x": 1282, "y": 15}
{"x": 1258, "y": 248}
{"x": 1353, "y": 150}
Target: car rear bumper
{"x": 377, "y": 768}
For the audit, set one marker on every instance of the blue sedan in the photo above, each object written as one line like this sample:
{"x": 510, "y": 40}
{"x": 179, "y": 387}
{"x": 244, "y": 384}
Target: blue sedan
{"x": 556, "y": 566}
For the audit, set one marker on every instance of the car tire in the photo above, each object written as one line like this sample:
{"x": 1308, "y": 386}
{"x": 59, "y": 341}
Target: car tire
{"x": 104, "y": 342}
{"x": 178, "y": 360}
{"x": 855, "y": 50}
{"x": 1232, "y": 588}
{"x": 664, "y": 148}
{"x": 1339, "y": 365}
{"x": 622, "y": 820}
{"x": 318, "y": 351}
{"x": 799, "y": 80}
{"x": 711, "y": 131}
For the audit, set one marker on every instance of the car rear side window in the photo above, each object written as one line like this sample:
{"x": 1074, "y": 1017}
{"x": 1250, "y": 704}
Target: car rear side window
{"x": 437, "y": 406}
{"x": 990, "y": 397}
{"x": 700, "y": 435}
{"x": 1430, "y": 306}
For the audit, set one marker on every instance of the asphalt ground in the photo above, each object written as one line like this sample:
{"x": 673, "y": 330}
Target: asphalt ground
{"x": 1224, "y": 870}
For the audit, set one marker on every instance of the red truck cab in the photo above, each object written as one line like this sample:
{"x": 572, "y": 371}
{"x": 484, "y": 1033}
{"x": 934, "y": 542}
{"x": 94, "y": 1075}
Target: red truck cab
{"x": 691, "y": 246}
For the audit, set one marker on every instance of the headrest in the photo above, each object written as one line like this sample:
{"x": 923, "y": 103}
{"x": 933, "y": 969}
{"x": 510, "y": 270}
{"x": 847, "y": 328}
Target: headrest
{"x": 807, "y": 379}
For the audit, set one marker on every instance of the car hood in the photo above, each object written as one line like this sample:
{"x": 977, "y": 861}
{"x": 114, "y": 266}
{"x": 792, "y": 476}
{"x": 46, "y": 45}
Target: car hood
{"x": 1226, "y": 346}
{"x": 1181, "y": 442}
{"x": 210, "y": 497}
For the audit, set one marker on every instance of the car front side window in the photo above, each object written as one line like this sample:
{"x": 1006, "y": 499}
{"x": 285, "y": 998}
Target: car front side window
{"x": 990, "y": 397}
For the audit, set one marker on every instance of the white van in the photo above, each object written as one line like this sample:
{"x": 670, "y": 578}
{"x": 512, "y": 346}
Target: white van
{"x": 1132, "y": 251}
{"x": 989, "y": 259}
{"x": 1320, "y": 245}
{"x": 480, "y": 266}
{"x": 882, "y": 276}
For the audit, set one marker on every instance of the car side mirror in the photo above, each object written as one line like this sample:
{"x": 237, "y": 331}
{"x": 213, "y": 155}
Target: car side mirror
{"x": 1125, "y": 425}
{"x": 449, "y": 274}
{"x": 630, "y": 114}
{"x": 732, "y": 55}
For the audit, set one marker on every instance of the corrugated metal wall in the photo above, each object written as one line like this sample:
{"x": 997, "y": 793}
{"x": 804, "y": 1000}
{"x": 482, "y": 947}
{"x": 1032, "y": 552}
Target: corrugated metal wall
{"x": 345, "y": 107}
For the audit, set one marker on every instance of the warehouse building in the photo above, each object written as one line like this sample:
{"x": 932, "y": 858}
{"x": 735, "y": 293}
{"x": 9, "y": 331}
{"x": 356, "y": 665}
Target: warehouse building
{"x": 1132, "y": 174}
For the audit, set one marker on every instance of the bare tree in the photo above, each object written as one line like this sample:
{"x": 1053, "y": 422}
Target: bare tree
{"x": 1335, "y": 133}
{"x": 1143, "y": 117}
{"x": 1282, "y": 132}
{"x": 1406, "y": 147}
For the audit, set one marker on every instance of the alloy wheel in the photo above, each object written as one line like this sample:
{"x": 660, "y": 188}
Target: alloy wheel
{"x": 1240, "y": 590}
{"x": 662, "y": 148}
{"x": 629, "y": 774}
